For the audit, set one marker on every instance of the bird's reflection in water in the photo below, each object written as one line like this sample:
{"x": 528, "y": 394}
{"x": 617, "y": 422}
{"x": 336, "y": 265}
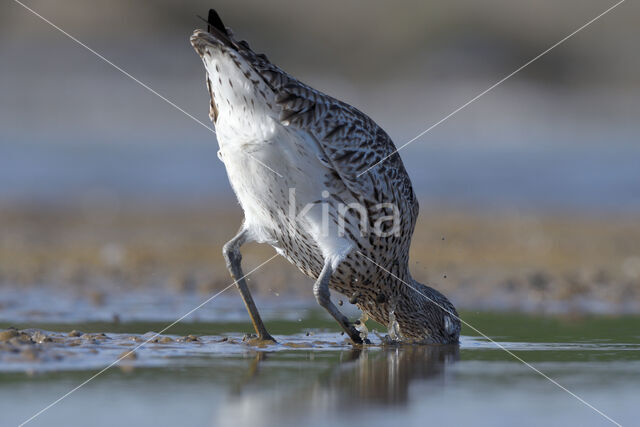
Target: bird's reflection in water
{"x": 280, "y": 388}
{"x": 383, "y": 377}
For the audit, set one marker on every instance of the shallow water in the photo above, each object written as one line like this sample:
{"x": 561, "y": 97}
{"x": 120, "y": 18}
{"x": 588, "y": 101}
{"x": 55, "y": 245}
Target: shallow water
{"x": 314, "y": 377}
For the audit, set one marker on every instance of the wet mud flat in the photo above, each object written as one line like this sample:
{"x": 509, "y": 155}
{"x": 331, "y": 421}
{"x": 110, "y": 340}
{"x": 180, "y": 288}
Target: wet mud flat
{"x": 37, "y": 351}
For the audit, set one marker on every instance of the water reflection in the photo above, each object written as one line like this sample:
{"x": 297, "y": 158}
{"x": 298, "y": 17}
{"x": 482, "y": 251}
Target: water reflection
{"x": 280, "y": 390}
{"x": 383, "y": 377}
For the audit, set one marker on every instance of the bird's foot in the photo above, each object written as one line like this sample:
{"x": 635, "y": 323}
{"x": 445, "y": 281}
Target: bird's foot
{"x": 355, "y": 335}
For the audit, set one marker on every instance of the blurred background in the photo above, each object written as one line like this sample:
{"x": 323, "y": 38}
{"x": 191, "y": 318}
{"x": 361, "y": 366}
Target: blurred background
{"x": 530, "y": 197}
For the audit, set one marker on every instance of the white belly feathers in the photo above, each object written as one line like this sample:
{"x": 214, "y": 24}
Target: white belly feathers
{"x": 274, "y": 170}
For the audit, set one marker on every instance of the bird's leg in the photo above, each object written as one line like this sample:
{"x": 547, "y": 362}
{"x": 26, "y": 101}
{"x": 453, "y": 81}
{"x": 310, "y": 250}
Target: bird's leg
{"x": 231, "y": 252}
{"x": 321, "y": 292}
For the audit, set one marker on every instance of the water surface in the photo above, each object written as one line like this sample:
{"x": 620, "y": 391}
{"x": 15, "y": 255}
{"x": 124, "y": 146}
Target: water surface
{"x": 314, "y": 377}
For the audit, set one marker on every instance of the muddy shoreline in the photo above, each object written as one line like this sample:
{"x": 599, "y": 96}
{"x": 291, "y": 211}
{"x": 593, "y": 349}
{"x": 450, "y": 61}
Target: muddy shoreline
{"x": 500, "y": 261}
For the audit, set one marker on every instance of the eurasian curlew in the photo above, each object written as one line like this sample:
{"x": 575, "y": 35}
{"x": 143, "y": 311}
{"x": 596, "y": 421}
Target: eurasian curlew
{"x": 352, "y": 234}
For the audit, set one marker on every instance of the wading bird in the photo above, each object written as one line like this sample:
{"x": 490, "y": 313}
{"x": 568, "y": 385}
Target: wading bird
{"x": 293, "y": 156}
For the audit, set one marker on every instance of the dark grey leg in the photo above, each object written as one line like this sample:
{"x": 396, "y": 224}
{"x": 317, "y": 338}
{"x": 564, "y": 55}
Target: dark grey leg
{"x": 321, "y": 292}
{"x": 232, "y": 255}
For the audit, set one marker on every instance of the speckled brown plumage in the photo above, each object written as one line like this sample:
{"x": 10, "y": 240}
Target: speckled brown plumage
{"x": 346, "y": 142}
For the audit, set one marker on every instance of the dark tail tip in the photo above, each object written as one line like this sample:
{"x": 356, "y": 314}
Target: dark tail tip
{"x": 214, "y": 21}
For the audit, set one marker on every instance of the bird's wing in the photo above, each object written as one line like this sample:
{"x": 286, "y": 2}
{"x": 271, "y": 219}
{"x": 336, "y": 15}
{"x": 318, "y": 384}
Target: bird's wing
{"x": 349, "y": 141}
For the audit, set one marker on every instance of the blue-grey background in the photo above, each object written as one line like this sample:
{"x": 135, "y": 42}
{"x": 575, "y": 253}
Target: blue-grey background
{"x": 560, "y": 135}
